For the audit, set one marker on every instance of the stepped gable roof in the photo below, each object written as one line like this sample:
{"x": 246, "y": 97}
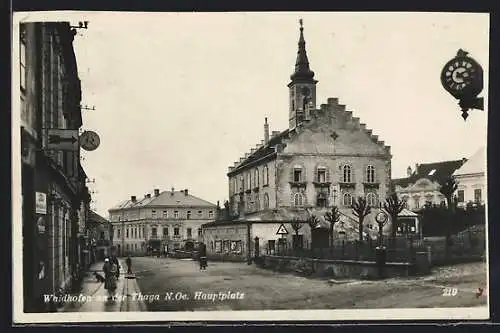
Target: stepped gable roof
{"x": 475, "y": 164}
{"x": 263, "y": 151}
{"x": 93, "y": 216}
{"x": 438, "y": 171}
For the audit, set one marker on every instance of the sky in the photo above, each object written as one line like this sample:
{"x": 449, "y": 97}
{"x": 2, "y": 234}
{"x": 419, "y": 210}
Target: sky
{"x": 180, "y": 96}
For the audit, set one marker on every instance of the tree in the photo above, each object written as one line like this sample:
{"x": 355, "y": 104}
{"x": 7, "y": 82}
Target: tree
{"x": 448, "y": 188}
{"x": 312, "y": 220}
{"x": 333, "y": 217}
{"x": 393, "y": 205}
{"x": 360, "y": 209}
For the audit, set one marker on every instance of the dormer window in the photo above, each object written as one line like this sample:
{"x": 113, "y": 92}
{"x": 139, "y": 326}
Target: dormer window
{"x": 432, "y": 172}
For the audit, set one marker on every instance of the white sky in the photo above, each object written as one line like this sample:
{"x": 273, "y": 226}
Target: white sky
{"x": 180, "y": 97}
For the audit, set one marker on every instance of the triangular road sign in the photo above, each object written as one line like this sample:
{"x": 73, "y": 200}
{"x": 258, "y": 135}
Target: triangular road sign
{"x": 282, "y": 230}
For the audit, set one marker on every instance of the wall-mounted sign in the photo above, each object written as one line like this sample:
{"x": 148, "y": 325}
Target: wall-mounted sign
{"x": 63, "y": 139}
{"x": 40, "y": 224}
{"x": 282, "y": 230}
{"x": 89, "y": 140}
{"x": 40, "y": 203}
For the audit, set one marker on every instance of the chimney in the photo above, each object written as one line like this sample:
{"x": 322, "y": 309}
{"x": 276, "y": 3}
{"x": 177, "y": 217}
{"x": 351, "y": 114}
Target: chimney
{"x": 275, "y": 133}
{"x": 266, "y": 132}
{"x": 148, "y": 195}
{"x": 133, "y": 198}
{"x": 157, "y": 192}
{"x": 186, "y": 192}
{"x": 408, "y": 171}
{"x": 416, "y": 167}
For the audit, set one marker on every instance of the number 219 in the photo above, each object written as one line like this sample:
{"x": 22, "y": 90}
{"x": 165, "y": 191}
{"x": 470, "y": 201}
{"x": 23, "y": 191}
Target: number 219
{"x": 450, "y": 291}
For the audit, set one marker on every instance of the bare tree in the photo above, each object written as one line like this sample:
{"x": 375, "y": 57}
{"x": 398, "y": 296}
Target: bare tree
{"x": 393, "y": 205}
{"x": 333, "y": 217}
{"x": 360, "y": 209}
{"x": 448, "y": 188}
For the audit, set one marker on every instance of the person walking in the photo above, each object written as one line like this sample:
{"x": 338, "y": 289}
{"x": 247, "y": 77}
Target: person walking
{"x": 128, "y": 261}
{"x": 114, "y": 261}
{"x": 202, "y": 256}
{"x": 110, "y": 277}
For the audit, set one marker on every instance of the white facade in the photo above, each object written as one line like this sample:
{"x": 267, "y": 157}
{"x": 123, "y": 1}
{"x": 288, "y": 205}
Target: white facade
{"x": 471, "y": 179}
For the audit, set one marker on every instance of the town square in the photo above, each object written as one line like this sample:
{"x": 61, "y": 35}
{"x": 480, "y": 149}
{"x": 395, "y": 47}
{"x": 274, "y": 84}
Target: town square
{"x": 252, "y": 161}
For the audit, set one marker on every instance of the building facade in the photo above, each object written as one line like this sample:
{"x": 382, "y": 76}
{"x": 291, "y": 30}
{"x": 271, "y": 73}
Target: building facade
{"x": 326, "y": 157}
{"x": 471, "y": 178}
{"x": 53, "y": 182}
{"x": 100, "y": 232}
{"x": 421, "y": 186}
{"x": 160, "y": 222}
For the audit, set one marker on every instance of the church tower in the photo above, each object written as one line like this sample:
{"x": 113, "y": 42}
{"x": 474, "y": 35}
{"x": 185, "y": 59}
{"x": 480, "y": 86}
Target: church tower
{"x": 302, "y": 88}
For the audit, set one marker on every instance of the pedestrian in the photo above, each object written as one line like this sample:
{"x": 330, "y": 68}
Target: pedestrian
{"x": 128, "y": 261}
{"x": 114, "y": 261}
{"x": 110, "y": 284}
{"x": 202, "y": 256}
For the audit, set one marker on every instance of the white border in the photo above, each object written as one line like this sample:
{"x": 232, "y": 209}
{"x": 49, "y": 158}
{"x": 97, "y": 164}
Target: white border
{"x": 19, "y": 317}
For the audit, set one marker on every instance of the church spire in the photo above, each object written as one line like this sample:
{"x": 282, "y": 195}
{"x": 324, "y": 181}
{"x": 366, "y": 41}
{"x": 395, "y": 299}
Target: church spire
{"x": 302, "y": 70}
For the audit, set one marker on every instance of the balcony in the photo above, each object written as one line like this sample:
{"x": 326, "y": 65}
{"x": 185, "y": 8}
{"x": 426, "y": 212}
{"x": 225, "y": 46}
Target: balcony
{"x": 347, "y": 184}
{"x": 322, "y": 184}
{"x": 298, "y": 184}
{"x": 371, "y": 185}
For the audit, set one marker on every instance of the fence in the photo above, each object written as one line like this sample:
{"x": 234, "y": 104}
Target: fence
{"x": 465, "y": 246}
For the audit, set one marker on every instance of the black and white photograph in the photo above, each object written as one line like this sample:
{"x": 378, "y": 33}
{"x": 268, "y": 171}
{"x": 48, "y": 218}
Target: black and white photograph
{"x": 229, "y": 166}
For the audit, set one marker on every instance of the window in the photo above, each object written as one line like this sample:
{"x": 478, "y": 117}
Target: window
{"x": 126, "y": 234}
{"x": 118, "y": 233}
{"x": 176, "y": 231}
{"x": 297, "y": 174}
{"x": 188, "y": 214}
{"x": 266, "y": 201}
{"x": 417, "y": 202}
{"x": 256, "y": 178}
{"x": 461, "y": 195}
{"x": 346, "y": 174}
{"x": 242, "y": 183}
{"x": 135, "y": 232}
{"x": 298, "y": 199}
{"x": 165, "y": 231}
{"x": 102, "y": 235}
{"x": 321, "y": 175}
{"x": 477, "y": 195}
{"x": 347, "y": 199}
{"x": 22, "y": 56}
{"x": 322, "y": 200}
{"x": 249, "y": 181}
{"x": 257, "y": 202}
{"x": 153, "y": 213}
{"x": 265, "y": 175}
{"x": 210, "y": 214}
{"x": 370, "y": 174}
{"x": 371, "y": 199}
{"x": 189, "y": 233}
{"x": 154, "y": 232}
{"x": 176, "y": 214}
{"x": 235, "y": 185}
{"x": 200, "y": 213}
{"x": 271, "y": 246}
{"x": 200, "y": 232}
{"x": 165, "y": 214}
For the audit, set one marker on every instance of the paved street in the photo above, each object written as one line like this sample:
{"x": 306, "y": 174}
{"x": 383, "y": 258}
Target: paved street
{"x": 251, "y": 288}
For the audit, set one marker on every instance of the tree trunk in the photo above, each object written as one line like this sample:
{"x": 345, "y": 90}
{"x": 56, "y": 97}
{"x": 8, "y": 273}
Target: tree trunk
{"x": 361, "y": 229}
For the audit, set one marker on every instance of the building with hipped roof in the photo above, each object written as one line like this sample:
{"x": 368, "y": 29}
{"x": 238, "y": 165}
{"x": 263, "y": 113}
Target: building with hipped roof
{"x": 325, "y": 157}
{"x": 159, "y": 222}
{"x": 421, "y": 186}
{"x": 471, "y": 177}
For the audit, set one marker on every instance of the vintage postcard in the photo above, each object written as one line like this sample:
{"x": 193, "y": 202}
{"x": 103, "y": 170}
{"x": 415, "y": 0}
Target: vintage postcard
{"x": 267, "y": 166}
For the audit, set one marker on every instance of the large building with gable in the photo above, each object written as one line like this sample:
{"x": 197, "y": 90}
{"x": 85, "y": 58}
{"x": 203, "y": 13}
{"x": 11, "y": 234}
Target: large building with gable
{"x": 159, "y": 222}
{"x": 325, "y": 157}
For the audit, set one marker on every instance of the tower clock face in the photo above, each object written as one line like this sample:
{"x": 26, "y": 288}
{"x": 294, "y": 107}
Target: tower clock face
{"x": 462, "y": 76}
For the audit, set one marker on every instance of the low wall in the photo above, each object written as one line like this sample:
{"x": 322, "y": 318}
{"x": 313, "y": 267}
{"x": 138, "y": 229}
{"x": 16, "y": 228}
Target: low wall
{"x": 344, "y": 268}
{"x": 226, "y": 257}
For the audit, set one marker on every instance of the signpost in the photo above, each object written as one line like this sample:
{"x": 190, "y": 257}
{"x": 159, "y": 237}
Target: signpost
{"x": 63, "y": 139}
{"x": 283, "y": 232}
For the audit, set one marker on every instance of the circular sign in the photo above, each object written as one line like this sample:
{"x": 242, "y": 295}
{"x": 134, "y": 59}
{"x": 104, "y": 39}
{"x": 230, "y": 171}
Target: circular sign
{"x": 462, "y": 76}
{"x": 89, "y": 140}
{"x": 381, "y": 217}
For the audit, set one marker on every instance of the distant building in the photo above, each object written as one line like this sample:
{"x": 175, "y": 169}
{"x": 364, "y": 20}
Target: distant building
{"x": 325, "y": 157}
{"x": 100, "y": 235}
{"x": 471, "y": 179}
{"x": 422, "y": 185}
{"x": 159, "y": 222}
